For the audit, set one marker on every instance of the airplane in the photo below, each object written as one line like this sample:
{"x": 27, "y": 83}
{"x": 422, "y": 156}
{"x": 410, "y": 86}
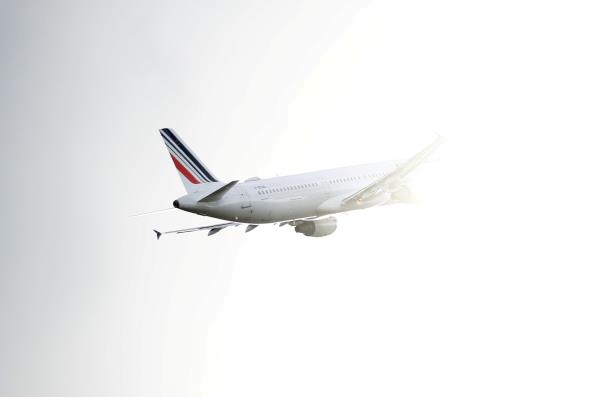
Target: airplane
{"x": 304, "y": 201}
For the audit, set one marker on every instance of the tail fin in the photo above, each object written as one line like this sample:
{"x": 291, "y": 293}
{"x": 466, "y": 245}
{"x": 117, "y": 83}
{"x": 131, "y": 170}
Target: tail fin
{"x": 191, "y": 170}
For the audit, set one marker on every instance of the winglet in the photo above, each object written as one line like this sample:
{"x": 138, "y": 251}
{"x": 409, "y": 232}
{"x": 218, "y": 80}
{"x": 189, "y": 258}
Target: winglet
{"x": 158, "y": 234}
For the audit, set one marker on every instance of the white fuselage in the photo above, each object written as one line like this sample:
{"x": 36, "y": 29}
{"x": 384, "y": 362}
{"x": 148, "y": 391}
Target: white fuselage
{"x": 291, "y": 197}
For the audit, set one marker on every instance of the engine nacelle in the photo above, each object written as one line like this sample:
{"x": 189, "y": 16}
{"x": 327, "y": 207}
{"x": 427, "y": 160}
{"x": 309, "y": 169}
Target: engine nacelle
{"x": 317, "y": 228}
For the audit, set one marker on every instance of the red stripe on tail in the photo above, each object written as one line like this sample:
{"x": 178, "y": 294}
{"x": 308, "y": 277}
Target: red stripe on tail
{"x": 184, "y": 171}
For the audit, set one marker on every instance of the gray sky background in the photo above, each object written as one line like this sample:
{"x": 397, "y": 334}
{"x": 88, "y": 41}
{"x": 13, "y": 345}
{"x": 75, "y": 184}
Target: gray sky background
{"x": 487, "y": 286}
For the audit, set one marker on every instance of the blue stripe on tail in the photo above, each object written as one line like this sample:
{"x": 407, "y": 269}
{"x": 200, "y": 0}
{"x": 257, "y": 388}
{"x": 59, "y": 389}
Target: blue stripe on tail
{"x": 203, "y": 171}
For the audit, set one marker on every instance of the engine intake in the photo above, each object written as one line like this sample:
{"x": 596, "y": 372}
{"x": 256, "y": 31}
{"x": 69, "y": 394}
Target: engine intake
{"x": 317, "y": 228}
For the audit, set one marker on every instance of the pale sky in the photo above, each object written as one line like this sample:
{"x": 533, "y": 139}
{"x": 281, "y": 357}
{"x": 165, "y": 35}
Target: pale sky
{"x": 487, "y": 286}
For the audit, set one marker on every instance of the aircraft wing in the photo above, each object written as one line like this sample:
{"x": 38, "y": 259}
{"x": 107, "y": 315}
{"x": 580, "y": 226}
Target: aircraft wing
{"x": 382, "y": 184}
{"x": 212, "y": 229}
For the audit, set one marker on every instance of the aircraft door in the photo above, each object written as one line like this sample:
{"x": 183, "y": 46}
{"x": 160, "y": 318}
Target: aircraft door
{"x": 245, "y": 199}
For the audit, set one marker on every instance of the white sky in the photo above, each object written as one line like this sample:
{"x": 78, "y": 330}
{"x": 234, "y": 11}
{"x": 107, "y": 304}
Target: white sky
{"x": 487, "y": 286}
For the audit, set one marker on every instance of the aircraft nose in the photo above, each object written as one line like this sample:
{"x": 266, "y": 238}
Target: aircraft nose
{"x": 176, "y": 203}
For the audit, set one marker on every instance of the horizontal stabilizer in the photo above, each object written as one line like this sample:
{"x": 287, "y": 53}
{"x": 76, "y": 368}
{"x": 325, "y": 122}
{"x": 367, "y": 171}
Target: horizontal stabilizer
{"x": 219, "y": 193}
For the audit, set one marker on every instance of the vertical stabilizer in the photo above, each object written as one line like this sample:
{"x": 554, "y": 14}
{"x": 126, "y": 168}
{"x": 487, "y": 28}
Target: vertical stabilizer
{"x": 192, "y": 171}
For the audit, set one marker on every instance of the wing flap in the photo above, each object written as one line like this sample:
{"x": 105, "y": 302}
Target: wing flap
{"x": 211, "y": 228}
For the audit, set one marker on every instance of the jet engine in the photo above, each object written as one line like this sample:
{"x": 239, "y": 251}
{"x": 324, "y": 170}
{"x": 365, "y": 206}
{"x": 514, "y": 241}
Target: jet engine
{"x": 316, "y": 228}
